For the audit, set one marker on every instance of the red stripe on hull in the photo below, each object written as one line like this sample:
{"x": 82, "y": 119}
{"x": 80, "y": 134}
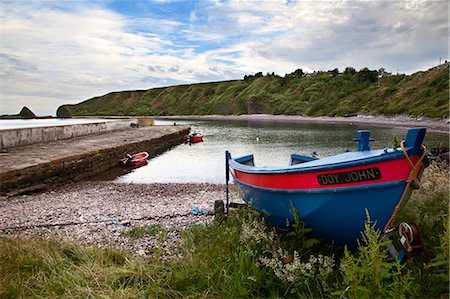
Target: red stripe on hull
{"x": 394, "y": 170}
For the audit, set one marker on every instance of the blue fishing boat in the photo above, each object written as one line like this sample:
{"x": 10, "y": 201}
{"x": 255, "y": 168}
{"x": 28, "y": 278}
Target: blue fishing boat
{"x": 331, "y": 195}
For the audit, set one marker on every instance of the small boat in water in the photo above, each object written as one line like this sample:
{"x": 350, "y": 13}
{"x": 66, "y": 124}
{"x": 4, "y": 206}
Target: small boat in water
{"x": 331, "y": 195}
{"x": 193, "y": 138}
{"x": 136, "y": 160}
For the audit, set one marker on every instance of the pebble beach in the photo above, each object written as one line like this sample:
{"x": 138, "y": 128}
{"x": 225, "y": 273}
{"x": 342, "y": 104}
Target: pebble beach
{"x": 100, "y": 213}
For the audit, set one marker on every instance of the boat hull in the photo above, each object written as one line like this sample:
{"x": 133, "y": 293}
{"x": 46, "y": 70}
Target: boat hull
{"x": 137, "y": 163}
{"x": 137, "y": 160}
{"x": 333, "y": 195}
{"x": 334, "y": 214}
{"x": 193, "y": 139}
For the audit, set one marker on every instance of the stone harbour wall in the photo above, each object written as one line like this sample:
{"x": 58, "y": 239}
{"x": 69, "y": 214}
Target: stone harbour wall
{"x": 83, "y": 165}
{"x": 24, "y": 136}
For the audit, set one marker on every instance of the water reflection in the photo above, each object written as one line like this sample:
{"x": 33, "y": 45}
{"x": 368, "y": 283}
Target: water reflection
{"x": 204, "y": 162}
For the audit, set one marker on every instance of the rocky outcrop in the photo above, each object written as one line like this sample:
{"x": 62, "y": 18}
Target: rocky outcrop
{"x": 26, "y": 113}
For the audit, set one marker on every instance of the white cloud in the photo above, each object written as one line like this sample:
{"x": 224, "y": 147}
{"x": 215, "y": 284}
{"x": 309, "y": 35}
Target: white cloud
{"x": 67, "y": 55}
{"x": 54, "y": 53}
{"x": 318, "y": 34}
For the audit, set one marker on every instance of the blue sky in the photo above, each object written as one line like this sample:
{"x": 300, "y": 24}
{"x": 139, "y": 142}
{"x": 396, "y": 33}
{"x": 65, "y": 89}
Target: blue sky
{"x": 62, "y": 52}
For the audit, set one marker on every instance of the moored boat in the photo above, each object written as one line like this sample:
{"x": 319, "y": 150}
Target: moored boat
{"x": 331, "y": 195}
{"x": 136, "y": 160}
{"x": 193, "y": 138}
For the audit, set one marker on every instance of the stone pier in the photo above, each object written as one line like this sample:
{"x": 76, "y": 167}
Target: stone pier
{"x": 33, "y": 167}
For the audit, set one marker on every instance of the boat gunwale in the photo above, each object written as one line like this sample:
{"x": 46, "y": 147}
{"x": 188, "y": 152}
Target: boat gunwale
{"x": 141, "y": 156}
{"x": 307, "y": 167}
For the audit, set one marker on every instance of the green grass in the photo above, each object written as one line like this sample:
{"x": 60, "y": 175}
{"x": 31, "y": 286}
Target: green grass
{"x": 146, "y": 230}
{"x": 419, "y": 94}
{"x": 240, "y": 257}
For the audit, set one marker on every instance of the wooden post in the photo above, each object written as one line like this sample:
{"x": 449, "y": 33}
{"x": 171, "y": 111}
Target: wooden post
{"x": 219, "y": 210}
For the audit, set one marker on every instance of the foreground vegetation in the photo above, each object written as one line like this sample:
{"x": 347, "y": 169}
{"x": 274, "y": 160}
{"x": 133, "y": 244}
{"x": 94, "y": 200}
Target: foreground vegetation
{"x": 324, "y": 93}
{"x": 240, "y": 257}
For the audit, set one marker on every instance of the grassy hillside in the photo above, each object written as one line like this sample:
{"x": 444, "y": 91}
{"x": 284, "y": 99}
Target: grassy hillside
{"x": 325, "y": 93}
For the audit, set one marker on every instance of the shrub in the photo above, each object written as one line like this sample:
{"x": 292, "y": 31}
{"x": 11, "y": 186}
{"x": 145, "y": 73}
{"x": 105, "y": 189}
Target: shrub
{"x": 367, "y": 274}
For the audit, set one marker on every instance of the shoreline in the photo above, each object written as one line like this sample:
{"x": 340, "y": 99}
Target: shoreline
{"x": 440, "y": 126}
{"x": 401, "y": 121}
{"x": 100, "y": 213}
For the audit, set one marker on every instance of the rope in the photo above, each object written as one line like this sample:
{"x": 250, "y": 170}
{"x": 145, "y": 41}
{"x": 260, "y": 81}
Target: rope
{"x": 202, "y": 193}
{"x": 412, "y": 176}
{"x": 194, "y": 209}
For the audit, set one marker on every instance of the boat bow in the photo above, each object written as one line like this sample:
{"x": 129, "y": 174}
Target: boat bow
{"x": 331, "y": 194}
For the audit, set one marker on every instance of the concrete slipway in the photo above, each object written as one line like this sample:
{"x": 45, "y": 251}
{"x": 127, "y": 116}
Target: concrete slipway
{"x": 38, "y": 166}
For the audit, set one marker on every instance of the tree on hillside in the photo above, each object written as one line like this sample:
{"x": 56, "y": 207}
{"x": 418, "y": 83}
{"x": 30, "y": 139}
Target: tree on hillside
{"x": 26, "y": 113}
{"x": 297, "y": 73}
{"x": 334, "y": 72}
{"x": 366, "y": 75}
{"x": 251, "y": 77}
{"x": 273, "y": 75}
{"x": 349, "y": 71}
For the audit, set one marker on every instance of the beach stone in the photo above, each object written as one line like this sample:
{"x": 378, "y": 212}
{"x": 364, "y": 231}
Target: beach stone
{"x": 125, "y": 222}
{"x": 93, "y": 211}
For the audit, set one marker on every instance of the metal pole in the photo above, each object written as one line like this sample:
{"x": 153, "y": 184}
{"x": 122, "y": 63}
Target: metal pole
{"x": 227, "y": 175}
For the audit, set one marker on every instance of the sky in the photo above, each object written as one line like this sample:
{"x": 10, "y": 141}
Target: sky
{"x": 64, "y": 52}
